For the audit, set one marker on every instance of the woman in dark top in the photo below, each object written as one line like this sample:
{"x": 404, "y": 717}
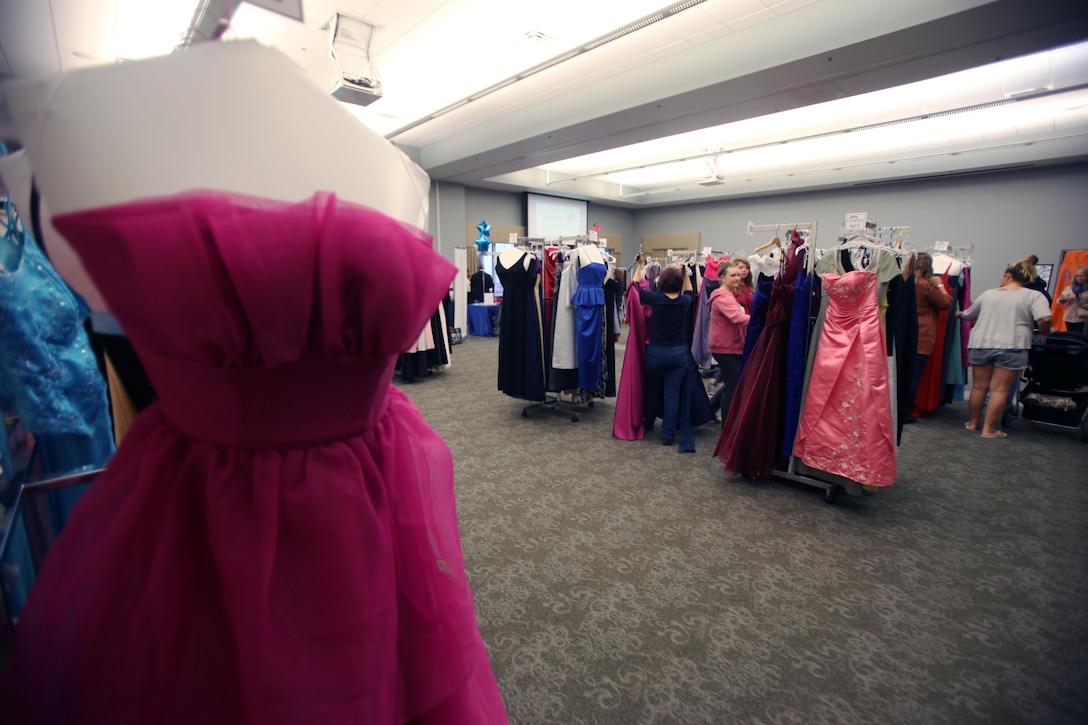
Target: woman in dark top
{"x": 667, "y": 350}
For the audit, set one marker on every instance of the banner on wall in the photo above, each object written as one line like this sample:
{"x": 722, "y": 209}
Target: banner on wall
{"x": 1071, "y": 259}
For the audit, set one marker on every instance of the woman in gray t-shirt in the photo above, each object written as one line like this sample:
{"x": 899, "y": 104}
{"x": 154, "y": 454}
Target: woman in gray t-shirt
{"x": 1005, "y": 318}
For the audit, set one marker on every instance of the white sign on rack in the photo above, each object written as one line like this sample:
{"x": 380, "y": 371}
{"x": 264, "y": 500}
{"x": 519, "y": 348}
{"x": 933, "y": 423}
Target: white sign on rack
{"x": 856, "y": 220}
{"x": 940, "y": 246}
{"x": 513, "y": 237}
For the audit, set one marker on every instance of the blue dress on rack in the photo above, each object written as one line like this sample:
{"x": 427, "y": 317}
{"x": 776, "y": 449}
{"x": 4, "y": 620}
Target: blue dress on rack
{"x": 760, "y": 299}
{"x": 589, "y": 300}
{"x": 48, "y": 372}
{"x": 796, "y": 351}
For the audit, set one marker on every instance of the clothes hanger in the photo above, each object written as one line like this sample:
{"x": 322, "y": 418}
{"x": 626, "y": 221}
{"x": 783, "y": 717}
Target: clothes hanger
{"x": 776, "y": 242}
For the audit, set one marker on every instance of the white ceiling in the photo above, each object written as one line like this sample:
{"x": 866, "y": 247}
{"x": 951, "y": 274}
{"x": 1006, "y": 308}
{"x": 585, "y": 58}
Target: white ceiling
{"x": 761, "y": 73}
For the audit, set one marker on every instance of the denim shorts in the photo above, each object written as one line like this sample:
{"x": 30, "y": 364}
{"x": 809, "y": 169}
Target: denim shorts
{"x": 1001, "y": 357}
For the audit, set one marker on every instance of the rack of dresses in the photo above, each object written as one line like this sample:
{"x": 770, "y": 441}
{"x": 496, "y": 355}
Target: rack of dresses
{"x": 582, "y": 338}
{"x": 947, "y": 380}
{"x": 557, "y": 326}
{"x": 815, "y": 402}
{"x": 846, "y": 432}
{"x": 754, "y": 429}
{"x": 432, "y": 349}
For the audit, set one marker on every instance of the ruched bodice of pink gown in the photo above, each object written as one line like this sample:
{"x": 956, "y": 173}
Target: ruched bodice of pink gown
{"x": 846, "y": 427}
{"x": 276, "y": 541}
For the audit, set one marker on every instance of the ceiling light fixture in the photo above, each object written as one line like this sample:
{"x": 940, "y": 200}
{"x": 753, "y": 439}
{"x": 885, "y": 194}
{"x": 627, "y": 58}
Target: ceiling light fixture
{"x": 552, "y": 62}
{"x": 716, "y": 153}
{"x": 668, "y": 186}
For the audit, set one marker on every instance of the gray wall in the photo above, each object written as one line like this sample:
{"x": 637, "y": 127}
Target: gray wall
{"x": 447, "y": 217}
{"x": 1006, "y": 216}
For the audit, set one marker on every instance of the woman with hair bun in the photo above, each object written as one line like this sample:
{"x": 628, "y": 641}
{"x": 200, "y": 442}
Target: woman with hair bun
{"x": 1038, "y": 283}
{"x": 1005, "y": 318}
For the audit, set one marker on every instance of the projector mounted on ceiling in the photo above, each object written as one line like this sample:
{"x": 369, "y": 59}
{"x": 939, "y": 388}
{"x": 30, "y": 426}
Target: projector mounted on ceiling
{"x": 349, "y": 46}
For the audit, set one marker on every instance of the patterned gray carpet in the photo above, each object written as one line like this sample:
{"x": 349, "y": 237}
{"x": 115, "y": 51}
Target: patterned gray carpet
{"x": 622, "y": 582}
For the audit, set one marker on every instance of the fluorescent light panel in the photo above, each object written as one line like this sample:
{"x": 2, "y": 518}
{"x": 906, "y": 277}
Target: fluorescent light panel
{"x": 147, "y": 29}
{"x": 772, "y": 141}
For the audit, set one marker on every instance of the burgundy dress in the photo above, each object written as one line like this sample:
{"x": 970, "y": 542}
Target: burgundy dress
{"x": 751, "y": 439}
{"x": 276, "y": 540}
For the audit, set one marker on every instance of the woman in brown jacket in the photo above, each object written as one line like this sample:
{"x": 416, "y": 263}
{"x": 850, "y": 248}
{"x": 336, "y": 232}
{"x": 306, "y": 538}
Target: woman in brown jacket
{"x": 931, "y": 297}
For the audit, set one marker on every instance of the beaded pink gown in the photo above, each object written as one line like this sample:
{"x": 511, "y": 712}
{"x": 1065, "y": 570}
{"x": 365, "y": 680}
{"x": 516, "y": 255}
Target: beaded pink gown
{"x": 846, "y": 427}
{"x": 276, "y": 541}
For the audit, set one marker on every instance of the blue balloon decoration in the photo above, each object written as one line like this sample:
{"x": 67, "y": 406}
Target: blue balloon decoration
{"x": 483, "y": 243}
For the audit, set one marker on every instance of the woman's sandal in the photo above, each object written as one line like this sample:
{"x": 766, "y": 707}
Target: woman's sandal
{"x": 998, "y": 434}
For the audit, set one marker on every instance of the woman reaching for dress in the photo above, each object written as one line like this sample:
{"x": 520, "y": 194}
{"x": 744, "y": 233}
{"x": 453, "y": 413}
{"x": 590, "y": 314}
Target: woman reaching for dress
{"x": 667, "y": 353}
{"x": 1005, "y": 318}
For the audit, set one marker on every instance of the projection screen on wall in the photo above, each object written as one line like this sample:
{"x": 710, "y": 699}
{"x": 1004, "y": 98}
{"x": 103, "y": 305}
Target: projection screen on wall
{"x": 549, "y": 217}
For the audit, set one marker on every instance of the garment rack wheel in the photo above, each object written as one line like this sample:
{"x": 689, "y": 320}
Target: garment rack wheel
{"x": 831, "y": 495}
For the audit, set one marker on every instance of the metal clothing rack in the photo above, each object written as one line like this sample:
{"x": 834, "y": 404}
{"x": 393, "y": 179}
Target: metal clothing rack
{"x": 877, "y": 233}
{"x": 962, "y": 252}
{"x": 795, "y": 470}
{"x": 779, "y": 228}
{"x": 810, "y": 227}
{"x": 553, "y": 404}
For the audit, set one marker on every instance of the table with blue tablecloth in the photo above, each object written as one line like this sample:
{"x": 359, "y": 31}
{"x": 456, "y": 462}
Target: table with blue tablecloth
{"x": 483, "y": 319}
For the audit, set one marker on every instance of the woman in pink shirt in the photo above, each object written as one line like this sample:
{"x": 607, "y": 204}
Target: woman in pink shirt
{"x": 728, "y": 325}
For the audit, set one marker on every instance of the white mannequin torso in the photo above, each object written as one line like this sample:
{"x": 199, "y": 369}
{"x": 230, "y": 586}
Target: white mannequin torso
{"x": 589, "y": 254}
{"x": 942, "y": 263}
{"x": 234, "y": 117}
{"x": 511, "y": 257}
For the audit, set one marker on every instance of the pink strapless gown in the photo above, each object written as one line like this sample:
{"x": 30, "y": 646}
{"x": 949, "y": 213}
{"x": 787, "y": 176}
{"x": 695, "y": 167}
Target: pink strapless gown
{"x": 846, "y": 427}
{"x": 276, "y": 541}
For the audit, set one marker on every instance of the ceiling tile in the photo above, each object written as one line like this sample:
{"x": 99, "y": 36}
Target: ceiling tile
{"x": 729, "y": 11}
{"x": 787, "y": 6}
{"x": 27, "y": 38}
{"x": 755, "y": 18}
